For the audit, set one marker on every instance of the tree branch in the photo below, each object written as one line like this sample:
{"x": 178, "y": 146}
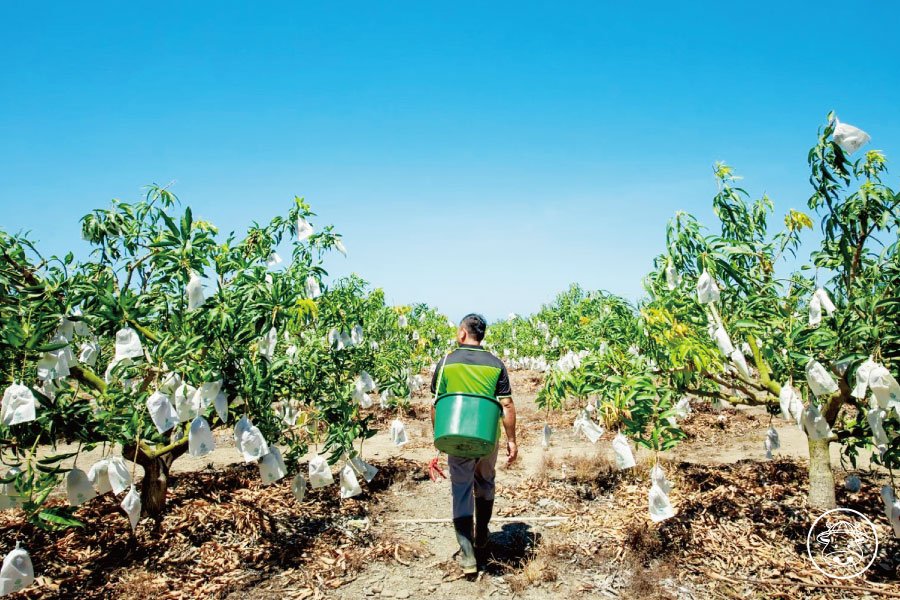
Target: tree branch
{"x": 87, "y": 377}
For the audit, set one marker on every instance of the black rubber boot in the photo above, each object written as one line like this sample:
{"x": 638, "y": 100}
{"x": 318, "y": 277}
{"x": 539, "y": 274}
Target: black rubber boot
{"x": 483, "y": 511}
{"x": 463, "y": 527}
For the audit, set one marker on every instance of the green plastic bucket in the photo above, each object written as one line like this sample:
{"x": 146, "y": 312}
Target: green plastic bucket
{"x": 466, "y": 425}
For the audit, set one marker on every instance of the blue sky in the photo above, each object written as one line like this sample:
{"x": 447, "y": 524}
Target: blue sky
{"x": 476, "y": 156}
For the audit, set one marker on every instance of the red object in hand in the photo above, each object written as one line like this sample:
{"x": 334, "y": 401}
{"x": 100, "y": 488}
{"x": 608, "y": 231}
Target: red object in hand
{"x": 434, "y": 469}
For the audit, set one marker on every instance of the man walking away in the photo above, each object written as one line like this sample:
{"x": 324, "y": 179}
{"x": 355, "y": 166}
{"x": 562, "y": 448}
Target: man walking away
{"x": 470, "y": 369}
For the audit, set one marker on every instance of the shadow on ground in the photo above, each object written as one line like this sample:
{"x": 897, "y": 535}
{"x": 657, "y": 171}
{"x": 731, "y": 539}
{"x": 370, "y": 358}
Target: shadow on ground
{"x": 510, "y": 548}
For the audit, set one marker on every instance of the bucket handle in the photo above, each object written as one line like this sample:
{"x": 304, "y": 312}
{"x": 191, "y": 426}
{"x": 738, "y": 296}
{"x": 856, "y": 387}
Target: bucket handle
{"x": 437, "y": 385}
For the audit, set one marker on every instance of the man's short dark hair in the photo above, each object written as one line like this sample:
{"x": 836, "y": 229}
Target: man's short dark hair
{"x": 475, "y": 325}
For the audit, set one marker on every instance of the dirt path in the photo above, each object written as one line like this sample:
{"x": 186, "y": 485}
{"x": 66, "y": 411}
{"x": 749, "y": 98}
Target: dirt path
{"x": 433, "y": 572}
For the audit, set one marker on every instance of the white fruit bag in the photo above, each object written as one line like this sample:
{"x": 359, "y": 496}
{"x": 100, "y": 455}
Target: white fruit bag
{"x": 118, "y": 474}
{"x": 274, "y": 260}
{"x": 9, "y": 495}
{"x": 128, "y": 345}
{"x": 821, "y": 383}
{"x": 298, "y": 487}
{"x": 66, "y": 329}
{"x": 887, "y": 495}
{"x": 206, "y": 393}
{"x": 271, "y": 466}
{"x": 584, "y": 424}
{"x": 737, "y": 358}
{"x": 682, "y": 408}
{"x": 673, "y": 279}
{"x": 825, "y": 301}
{"x": 88, "y": 353}
{"x": 48, "y": 367}
{"x": 365, "y": 382}
{"x": 339, "y": 246}
{"x": 660, "y": 505}
{"x": 19, "y": 405}
{"x": 814, "y": 424}
{"x": 319, "y": 473}
{"x": 863, "y": 372}
{"x": 875, "y": 418}
{"x": 200, "y": 438}
{"x": 267, "y": 343}
{"x": 304, "y": 229}
{"x": 891, "y": 509}
{"x": 385, "y": 399}
{"x": 895, "y": 518}
{"x": 884, "y": 387}
{"x": 402, "y": 321}
{"x": 131, "y": 504}
{"x": 99, "y": 476}
{"x": 356, "y": 335}
{"x": 723, "y": 341}
{"x": 707, "y": 290}
{"x": 252, "y": 444}
{"x": 398, "y": 433}
{"x": 184, "y": 403}
{"x": 194, "y": 291}
{"x": 55, "y": 364}
{"x": 242, "y": 425}
{"x": 65, "y": 351}
{"x": 17, "y": 572}
{"x": 349, "y": 483}
{"x": 852, "y": 483}
{"x": 162, "y": 413}
{"x": 313, "y": 290}
{"x": 170, "y": 383}
{"x": 545, "y": 438}
{"x": 624, "y": 457}
{"x": 791, "y": 404}
{"x": 80, "y": 326}
{"x": 848, "y": 137}
{"x": 815, "y": 311}
{"x": 363, "y": 399}
{"x": 49, "y": 388}
{"x": 221, "y": 405}
{"x": 658, "y": 477}
{"x": 288, "y": 411}
{"x": 346, "y": 342}
{"x": 78, "y": 487}
{"x": 772, "y": 442}
{"x": 363, "y": 469}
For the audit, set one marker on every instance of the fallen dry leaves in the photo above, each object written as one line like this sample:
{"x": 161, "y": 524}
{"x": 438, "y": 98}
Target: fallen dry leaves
{"x": 223, "y": 533}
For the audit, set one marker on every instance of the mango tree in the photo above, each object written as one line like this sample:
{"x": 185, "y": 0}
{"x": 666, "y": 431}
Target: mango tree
{"x": 175, "y": 327}
{"x": 724, "y": 322}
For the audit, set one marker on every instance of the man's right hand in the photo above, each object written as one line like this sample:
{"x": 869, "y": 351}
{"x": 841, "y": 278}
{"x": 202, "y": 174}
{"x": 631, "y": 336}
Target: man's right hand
{"x": 512, "y": 449}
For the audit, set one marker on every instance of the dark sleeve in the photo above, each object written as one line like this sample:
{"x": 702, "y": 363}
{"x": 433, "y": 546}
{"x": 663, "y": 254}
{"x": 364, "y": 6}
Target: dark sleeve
{"x": 436, "y": 374}
{"x": 504, "y": 389}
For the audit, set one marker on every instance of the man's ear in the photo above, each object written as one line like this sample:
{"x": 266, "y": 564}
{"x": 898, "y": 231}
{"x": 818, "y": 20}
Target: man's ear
{"x": 461, "y": 335}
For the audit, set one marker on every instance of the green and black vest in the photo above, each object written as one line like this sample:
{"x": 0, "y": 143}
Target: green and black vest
{"x": 471, "y": 370}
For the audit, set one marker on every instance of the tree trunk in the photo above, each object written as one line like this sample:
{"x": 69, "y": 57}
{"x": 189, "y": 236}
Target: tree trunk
{"x": 155, "y": 485}
{"x": 156, "y": 479}
{"x": 821, "y": 478}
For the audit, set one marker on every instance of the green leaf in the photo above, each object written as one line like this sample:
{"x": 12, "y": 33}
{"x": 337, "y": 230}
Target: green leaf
{"x": 56, "y": 458}
{"x": 59, "y": 518}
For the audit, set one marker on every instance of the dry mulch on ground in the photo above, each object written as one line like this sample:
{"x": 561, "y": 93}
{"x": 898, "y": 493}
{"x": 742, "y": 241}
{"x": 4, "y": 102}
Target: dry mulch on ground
{"x": 223, "y": 532}
{"x": 739, "y": 531}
